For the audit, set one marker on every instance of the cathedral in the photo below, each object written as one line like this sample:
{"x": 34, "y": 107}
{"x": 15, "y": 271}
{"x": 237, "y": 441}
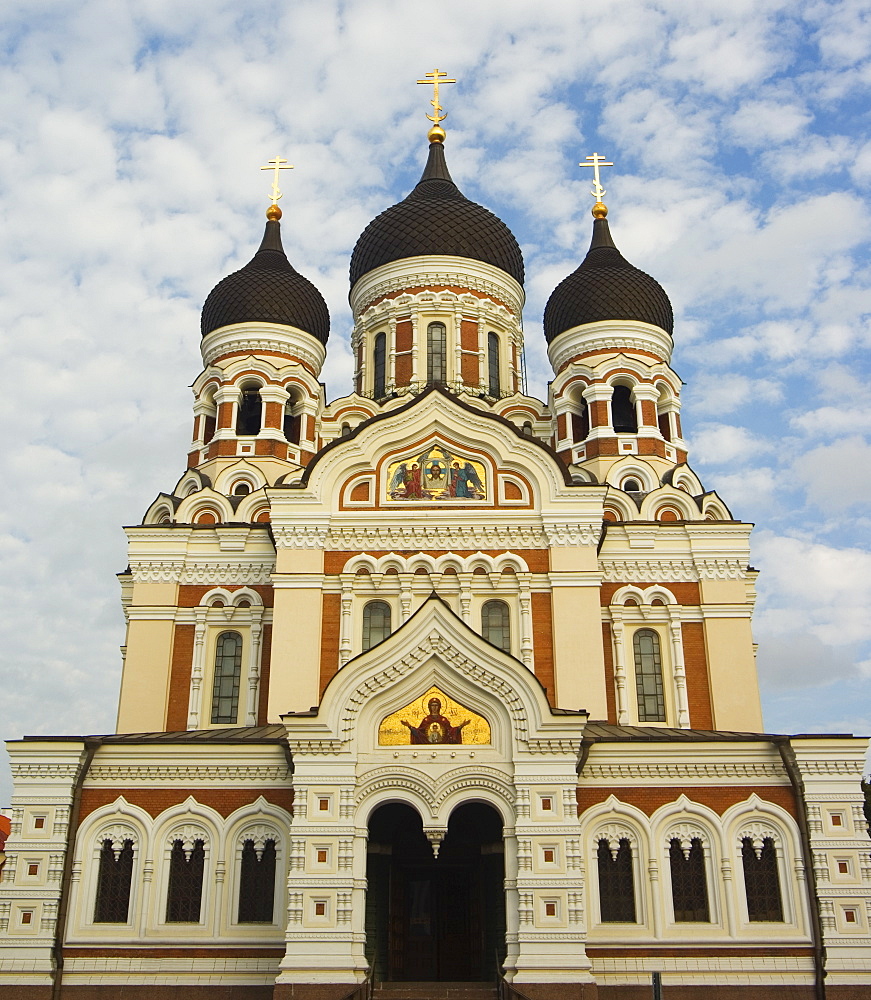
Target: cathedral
{"x": 436, "y": 688}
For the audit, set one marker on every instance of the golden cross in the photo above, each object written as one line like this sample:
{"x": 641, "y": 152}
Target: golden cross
{"x": 276, "y": 164}
{"x": 434, "y": 78}
{"x": 598, "y": 161}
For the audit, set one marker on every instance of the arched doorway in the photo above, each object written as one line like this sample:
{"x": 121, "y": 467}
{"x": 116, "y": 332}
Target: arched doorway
{"x": 435, "y": 919}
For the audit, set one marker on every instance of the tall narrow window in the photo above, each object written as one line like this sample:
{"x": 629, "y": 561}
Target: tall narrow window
{"x": 495, "y": 382}
{"x": 292, "y": 424}
{"x": 581, "y": 422}
{"x": 376, "y": 623}
{"x": 761, "y": 881}
{"x": 689, "y": 887}
{"x": 379, "y": 365}
{"x": 616, "y": 886}
{"x": 249, "y": 415}
{"x": 228, "y": 671}
{"x": 436, "y": 352}
{"x": 496, "y": 624}
{"x": 623, "y": 418}
{"x": 257, "y": 884}
{"x": 113, "y": 884}
{"x": 648, "y": 676}
{"x": 185, "y": 893}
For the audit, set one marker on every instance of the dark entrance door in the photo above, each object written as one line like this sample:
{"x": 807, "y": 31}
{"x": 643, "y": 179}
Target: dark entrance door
{"x": 435, "y": 919}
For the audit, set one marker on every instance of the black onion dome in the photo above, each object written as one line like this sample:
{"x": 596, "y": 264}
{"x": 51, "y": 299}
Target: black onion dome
{"x": 606, "y": 286}
{"x": 267, "y": 290}
{"x": 436, "y": 218}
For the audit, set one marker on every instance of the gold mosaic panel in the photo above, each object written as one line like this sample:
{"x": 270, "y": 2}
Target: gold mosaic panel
{"x": 420, "y": 724}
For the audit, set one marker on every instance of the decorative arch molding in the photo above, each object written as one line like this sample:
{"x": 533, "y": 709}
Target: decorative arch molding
{"x": 435, "y": 565}
{"x": 758, "y": 818}
{"x": 191, "y": 482}
{"x": 644, "y": 597}
{"x": 629, "y": 467}
{"x": 685, "y": 819}
{"x": 231, "y": 598}
{"x": 669, "y": 496}
{"x": 205, "y": 499}
{"x": 114, "y": 818}
{"x": 241, "y": 471}
{"x": 188, "y": 819}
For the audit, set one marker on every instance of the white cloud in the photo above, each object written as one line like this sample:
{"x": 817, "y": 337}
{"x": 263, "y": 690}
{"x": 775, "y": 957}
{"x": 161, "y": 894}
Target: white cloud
{"x": 724, "y": 444}
{"x": 836, "y": 476}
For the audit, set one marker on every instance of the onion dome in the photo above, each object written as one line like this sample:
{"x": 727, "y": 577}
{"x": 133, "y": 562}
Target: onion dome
{"x": 267, "y": 290}
{"x": 436, "y": 218}
{"x": 606, "y": 287}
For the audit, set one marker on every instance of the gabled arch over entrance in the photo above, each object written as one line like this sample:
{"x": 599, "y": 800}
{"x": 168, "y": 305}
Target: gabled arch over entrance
{"x": 435, "y": 911}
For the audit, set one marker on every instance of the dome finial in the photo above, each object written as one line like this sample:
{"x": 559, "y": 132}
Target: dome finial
{"x": 600, "y": 210}
{"x": 273, "y": 213}
{"x": 436, "y": 133}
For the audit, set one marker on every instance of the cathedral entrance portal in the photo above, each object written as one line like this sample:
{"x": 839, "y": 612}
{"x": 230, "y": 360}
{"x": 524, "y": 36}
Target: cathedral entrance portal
{"x": 435, "y": 919}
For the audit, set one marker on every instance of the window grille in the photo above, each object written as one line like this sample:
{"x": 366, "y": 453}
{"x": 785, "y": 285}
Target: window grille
{"x": 494, "y": 379}
{"x": 689, "y": 887}
{"x": 249, "y": 414}
{"x": 623, "y": 418}
{"x": 257, "y": 884}
{"x": 114, "y": 877}
{"x": 185, "y": 893}
{"x": 762, "y": 881}
{"x": 616, "y": 885}
{"x": 436, "y": 352}
{"x": 496, "y": 624}
{"x": 228, "y": 671}
{"x": 376, "y": 623}
{"x": 380, "y": 365}
{"x": 648, "y": 676}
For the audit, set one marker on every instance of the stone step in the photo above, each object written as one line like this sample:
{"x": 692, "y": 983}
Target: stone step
{"x": 434, "y": 991}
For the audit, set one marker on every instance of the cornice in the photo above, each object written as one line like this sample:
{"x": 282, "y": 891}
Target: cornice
{"x": 634, "y": 570}
{"x": 171, "y": 774}
{"x": 219, "y": 571}
{"x": 681, "y": 771}
{"x": 609, "y": 336}
{"x": 466, "y": 303}
{"x": 262, "y": 337}
{"x": 416, "y": 272}
{"x": 420, "y": 536}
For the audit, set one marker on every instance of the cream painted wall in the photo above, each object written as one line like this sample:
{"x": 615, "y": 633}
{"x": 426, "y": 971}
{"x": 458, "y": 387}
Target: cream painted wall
{"x": 145, "y": 681}
{"x": 732, "y": 673}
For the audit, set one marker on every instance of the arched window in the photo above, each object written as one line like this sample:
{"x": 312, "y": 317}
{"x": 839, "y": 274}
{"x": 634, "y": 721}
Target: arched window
{"x": 648, "y": 676}
{"x": 257, "y": 883}
{"x": 496, "y": 624}
{"x": 113, "y": 883}
{"x": 379, "y": 366}
{"x": 250, "y": 412}
{"x": 436, "y": 352}
{"x": 346, "y": 430}
{"x": 616, "y": 886}
{"x": 580, "y": 422}
{"x": 185, "y": 893}
{"x": 623, "y": 418}
{"x": 292, "y": 423}
{"x": 376, "y": 623}
{"x": 761, "y": 881}
{"x": 210, "y": 416}
{"x": 689, "y": 886}
{"x": 494, "y": 379}
{"x": 228, "y": 671}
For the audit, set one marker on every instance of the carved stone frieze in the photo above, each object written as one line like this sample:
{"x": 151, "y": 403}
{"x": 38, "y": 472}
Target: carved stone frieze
{"x": 156, "y": 570}
{"x": 250, "y": 573}
{"x": 644, "y": 570}
{"x": 630, "y": 772}
{"x": 412, "y": 536}
{"x": 300, "y": 536}
{"x": 122, "y": 774}
{"x": 573, "y": 534}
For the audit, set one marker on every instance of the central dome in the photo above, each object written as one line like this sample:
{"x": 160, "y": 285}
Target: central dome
{"x": 436, "y": 218}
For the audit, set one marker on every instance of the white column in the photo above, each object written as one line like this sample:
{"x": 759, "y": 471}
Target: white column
{"x": 678, "y": 668}
{"x": 256, "y": 635}
{"x": 525, "y": 598}
{"x": 195, "y": 701}
{"x": 405, "y": 594}
{"x": 619, "y": 668}
{"x": 345, "y": 622}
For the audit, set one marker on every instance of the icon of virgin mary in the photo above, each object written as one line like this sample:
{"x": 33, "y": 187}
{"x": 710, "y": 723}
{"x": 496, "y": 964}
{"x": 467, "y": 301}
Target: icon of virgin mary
{"x": 435, "y": 727}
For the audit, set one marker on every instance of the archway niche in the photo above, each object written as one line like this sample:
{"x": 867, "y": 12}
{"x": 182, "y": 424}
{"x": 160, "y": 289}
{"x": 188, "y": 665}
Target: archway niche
{"x": 435, "y": 919}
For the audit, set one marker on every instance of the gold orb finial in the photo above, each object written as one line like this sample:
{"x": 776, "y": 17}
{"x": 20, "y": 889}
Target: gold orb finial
{"x": 273, "y": 213}
{"x": 600, "y": 210}
{"x": 436, "y": 134}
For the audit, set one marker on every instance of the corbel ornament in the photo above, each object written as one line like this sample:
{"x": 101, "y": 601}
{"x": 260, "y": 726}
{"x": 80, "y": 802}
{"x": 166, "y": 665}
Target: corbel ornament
{"x": 411, "y": 536}
{"x": 686, "y": 833}
{"x": 614, "y": 832}
{"x": 259, "y": 834}
{"x": 721, "y": 569}
{"x": 758, "y": 832}
{"x": 301, "y": 536}
{"x": 188, "y": 834}
{"x": 257, "y": 341}
{"x": 156, "y": 570}
{"x": 644, "y": 570}
{"x": 559, "y": 535}
{"x": 118, "y": 833}
{"x": 230, "y": 774}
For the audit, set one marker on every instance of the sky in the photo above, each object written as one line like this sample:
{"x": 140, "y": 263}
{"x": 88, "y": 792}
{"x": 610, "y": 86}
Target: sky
{"x": 131, "y": 137}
